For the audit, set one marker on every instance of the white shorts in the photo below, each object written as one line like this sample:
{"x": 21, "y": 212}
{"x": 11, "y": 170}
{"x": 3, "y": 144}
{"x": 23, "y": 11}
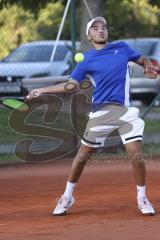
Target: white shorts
{"x": 111, "y": 117}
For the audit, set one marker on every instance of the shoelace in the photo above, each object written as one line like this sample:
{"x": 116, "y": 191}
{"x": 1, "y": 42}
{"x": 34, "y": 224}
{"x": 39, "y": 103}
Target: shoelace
{"x": 60, "y": 200}
{"x": 145, "y": 202}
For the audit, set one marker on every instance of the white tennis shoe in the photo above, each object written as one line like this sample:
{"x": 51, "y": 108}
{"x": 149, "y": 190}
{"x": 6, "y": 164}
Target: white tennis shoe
{"x": 145, "y": 206}
{"x": 63, "y": 205}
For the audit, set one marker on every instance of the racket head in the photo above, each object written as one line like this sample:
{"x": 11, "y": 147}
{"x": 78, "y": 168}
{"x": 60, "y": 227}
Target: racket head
{"x": 15, "y": 104}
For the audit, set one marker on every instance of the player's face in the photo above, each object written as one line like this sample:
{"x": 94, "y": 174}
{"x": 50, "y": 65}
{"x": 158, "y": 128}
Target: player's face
{"x": 98, "y": 33}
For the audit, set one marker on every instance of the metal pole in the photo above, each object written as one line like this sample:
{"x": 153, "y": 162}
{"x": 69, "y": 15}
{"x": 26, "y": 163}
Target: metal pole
{"x": 73, "y": 30}
{"x": 150, "y": 106}
{"x": 88, "y": 9}
{"x": 60, "y": 30}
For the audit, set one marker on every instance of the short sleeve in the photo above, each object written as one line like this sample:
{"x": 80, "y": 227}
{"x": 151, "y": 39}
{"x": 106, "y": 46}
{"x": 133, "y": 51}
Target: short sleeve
{"x": 133, "y": 54}
{"x": 79, "y": 72}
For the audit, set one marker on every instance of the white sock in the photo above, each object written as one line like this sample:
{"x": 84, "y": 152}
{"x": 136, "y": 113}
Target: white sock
{"x": 141, "y": 191}
{"x": 69, "y": 189}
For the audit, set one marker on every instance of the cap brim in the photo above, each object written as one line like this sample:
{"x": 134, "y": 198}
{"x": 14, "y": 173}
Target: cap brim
{"x": 97, "y": 19}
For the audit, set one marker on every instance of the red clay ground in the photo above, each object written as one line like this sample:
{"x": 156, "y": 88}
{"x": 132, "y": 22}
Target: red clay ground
{"x": 105, "y": 205}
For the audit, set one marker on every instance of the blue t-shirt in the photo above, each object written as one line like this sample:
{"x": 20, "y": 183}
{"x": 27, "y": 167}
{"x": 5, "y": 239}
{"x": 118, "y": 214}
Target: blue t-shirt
{"x": 108, "y": 71}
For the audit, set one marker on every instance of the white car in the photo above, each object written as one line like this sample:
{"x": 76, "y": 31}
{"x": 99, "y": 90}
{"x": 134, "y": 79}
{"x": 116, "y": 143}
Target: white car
{"x": 33, "y": 60}
{"x": 143, "y": 88}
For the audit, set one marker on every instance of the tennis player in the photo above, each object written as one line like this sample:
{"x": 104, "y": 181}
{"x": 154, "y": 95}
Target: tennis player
{"x": 107, "y": 68}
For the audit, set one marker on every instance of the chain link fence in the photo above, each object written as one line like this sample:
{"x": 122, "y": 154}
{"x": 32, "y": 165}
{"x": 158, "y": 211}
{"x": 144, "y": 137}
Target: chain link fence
{"x": 37, "y": 50}
{"x": 43, "y": 133}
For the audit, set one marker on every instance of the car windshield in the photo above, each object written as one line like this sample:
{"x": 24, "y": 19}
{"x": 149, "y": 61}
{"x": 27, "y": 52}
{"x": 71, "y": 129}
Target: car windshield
{"x": 145, "y": 47}
{"x": 35, "y": 53}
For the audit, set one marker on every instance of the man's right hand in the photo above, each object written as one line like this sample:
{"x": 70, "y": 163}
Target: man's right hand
{"x": 33, "y": 94}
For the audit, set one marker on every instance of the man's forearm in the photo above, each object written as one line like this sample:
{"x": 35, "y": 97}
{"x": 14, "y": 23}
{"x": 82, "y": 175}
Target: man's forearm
{"x": 70, "y": 86}
{"x": 144, "y": 62}
{"x": 60, "y": 88}
{"x": 53, "y": 89}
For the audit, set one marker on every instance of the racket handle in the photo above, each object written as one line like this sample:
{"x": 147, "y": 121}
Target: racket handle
{"x": 35, "y": 94}
{"x": 28, "y": 97}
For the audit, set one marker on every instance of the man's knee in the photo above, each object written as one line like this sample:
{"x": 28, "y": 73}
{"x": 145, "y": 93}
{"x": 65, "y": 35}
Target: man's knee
{"x": 86, "y": 149}
{"x": 137, "y": 158}
{"x": 84, "y": 153}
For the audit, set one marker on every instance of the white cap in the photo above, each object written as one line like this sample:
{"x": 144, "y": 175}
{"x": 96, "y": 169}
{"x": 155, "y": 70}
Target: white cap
{"x": 90, "y": 23}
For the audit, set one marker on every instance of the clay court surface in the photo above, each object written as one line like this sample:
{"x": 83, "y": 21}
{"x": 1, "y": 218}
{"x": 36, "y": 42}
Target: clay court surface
{"x": 105, "y": 206}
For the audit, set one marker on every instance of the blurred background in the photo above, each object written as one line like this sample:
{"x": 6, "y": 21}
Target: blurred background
{"x": 38, "y": 41}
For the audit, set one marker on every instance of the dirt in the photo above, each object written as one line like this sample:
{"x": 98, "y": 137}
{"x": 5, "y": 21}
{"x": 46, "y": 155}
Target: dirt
{"x": 105, "y": 206}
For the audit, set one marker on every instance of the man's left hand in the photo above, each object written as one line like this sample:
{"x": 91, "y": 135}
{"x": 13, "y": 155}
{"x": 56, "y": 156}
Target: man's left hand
{"x": 150, "y": 72}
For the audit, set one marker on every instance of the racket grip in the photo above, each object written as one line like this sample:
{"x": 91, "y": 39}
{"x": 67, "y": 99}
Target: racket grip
{"x": 28, "y": 97}
{"x": 35, "y": 94}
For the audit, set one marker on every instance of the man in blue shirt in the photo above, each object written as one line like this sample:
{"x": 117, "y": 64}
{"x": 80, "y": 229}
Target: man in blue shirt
{"x": 107, "y": 68}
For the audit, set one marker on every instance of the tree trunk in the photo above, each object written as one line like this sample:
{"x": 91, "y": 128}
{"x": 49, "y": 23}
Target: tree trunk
{"x": 97, "y": 9}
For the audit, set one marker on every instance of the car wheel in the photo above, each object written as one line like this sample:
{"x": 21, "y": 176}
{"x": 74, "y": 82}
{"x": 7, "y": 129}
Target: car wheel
{"x": 148, "y": 99}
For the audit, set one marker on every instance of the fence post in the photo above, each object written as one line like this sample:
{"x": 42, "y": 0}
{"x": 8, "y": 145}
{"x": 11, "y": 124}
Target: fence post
{"x": 150, "y": 106}
{"x": 73, "y": 30}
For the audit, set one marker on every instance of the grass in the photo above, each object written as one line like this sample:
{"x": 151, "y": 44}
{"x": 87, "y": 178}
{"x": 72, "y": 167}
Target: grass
{"x": 151, "y": 149}
{"x": 152, "y": 126}
{"x": 8, "y": 158}
{"x": 10, "y": 136}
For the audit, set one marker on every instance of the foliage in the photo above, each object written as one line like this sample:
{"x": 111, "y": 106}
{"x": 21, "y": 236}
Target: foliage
{"x": 16, "y": 26}
{"x": 26, "y": 4}
{"x": 154, "y": 2}
{"x": 49, "y": 19}
{"x": 29, "y": 20}
{"x": 132, "y": 18}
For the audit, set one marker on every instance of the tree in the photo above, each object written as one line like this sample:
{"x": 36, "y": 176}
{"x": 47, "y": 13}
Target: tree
{"x": 32, "y": 5}
{"x": 126, "y": 18}
{"x": 97, "y": 9}
{"x": 17, "y": 26}
{"x": 154, "y": 2}
{"x": 132, "y": 18}
{"x": 49, "y": 19}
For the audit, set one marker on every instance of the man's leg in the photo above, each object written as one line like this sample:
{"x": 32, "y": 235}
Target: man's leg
{"x": 135, "y": 155}
{"x": 78, "y": 164}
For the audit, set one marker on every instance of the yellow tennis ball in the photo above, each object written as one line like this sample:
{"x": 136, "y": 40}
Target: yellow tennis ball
{"x": 79, "y": 57}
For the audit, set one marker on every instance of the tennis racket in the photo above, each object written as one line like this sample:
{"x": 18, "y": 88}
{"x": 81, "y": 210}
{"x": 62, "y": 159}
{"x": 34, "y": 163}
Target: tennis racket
{"x": 20, "y": 104}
